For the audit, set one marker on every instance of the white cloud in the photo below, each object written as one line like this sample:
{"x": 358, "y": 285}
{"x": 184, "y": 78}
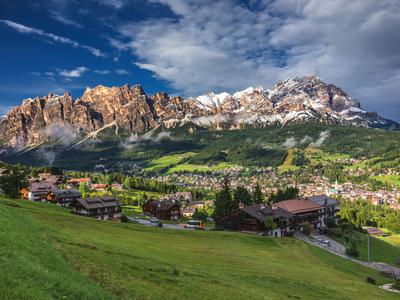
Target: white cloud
{"x": 52, "y": 37}
{"x": 122, "y": 72}
{"x": 101, "y": 72}
{"x": 117, "y": 4}
{"x": 62, "y": 18}
{"x": 75, "y": 73}
{"x": 223, "y": 45}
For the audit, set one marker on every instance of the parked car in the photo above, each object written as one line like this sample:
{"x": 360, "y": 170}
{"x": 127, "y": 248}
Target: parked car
{"x": 154, "y": 220}
{"x": 327, "y": 243}
{"x": 193, "y": 224}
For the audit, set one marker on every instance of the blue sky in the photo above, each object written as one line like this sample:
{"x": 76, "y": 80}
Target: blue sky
{"x": 190, "y": 47}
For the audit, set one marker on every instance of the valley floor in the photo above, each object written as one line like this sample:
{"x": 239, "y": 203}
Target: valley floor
{"x": 47, "y": 253}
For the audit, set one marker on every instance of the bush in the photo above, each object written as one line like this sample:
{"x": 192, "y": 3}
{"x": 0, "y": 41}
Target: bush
{"x": 124, "y": 219}
{"x": 306, "y": 228}
{"x": 371, "y": 280}
{"x": 352, "y": 252}
{"x": 330, "y": 222}
{"x": 337, "y": 232}
{"x": 396, "y": 286}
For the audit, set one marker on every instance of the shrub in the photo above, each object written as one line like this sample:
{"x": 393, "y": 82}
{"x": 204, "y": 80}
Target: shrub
{"x": 336, "y": 232}
{"x": 352, "y": 251}
{"x": 371, "y": 280}
{"x": 124, "y": 219}
{"x": 306, "y": 228}
{"x": 396, "y": 286}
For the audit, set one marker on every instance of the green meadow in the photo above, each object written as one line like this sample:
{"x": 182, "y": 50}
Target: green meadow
{"x": 48, "y": 253}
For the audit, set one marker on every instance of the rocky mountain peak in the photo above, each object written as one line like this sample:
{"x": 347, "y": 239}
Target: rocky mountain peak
{"x": 302, "y": 99}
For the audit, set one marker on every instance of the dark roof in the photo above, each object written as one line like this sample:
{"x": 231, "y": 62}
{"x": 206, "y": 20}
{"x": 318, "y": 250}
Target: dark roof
{"x": 323, "y": 200}
{"x": 262, "y": 212}
{"x": 66, "y": 193}
{"x": 166, "y": 205}
{"x": 100, "y": 202}
{"x": 41, "y": 186}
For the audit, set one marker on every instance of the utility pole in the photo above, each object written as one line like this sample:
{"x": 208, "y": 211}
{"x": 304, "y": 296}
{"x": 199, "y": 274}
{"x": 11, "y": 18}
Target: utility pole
{"x": 369, "y": 247}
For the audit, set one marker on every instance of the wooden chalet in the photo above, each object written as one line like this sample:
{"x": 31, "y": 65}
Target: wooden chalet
{"x": 165, "y": 210}
{"x": 77, "y": 181}
{"x": 305, "y": 210}
{"x": 38, "y": 191}
{"x": 330, "y": 208}
{"x": 63, "y": 197}
{"x": 101, "y": 208}
{"x": 252, "y": 218}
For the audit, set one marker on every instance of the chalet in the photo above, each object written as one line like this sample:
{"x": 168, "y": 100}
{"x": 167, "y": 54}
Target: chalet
{"x": 330, "y": 207}
{"x": 252, "y": 218}
{"x": 99, "y": 187}
{"x": 305, "y": 210}
{"x": 38, "y": 191}
{"x": 63, "y": 197}
{"x": 188, "y": 211}
{"x": 76, "y": 182}
{"x": 47, "y": 177}
{"x": 117, "y": 186}
{"x": 101, "y": 208}
{"x": 165, "y": 210}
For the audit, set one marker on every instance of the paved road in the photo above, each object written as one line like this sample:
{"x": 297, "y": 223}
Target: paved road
{"x": 168, "y": 226}
{"x": 334, "y": 245}
{"x": 339, "y": 250}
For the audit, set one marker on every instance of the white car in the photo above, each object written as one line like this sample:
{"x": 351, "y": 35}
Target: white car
{"x": 192, "y": 224}
{"x": 154, "y": 220}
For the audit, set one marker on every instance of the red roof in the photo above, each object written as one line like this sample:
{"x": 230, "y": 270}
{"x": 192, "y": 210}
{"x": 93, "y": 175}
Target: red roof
{"x": 298, "y": 205}
{"x": 79, "y": 180}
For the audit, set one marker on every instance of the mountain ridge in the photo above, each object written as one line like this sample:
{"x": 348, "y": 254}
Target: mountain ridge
{"x": 300, "y": 100}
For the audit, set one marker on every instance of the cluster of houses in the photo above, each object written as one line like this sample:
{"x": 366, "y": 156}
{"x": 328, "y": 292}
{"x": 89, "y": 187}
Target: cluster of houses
{"x": 174, "y": 206}
{"x": 288, "y": 216}
{"x": 45, "y": 189}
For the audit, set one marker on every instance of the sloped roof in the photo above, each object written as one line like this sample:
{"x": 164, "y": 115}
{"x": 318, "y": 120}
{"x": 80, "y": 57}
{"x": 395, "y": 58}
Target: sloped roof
{"x": 323, "y": 200}
{"x": 100, "y": 202}
{"x": 67, "y": 193}
{"x": 299, "y": 205}
{"x": 261, "y": 212}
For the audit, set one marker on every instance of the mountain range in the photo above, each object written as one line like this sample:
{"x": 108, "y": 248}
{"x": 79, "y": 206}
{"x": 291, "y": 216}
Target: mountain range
{"x": 305, "y": 99}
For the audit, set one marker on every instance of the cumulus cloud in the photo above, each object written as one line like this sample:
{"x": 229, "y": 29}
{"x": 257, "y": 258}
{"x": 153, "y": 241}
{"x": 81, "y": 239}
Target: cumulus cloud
{"x": 60, "y": 134}
{"x": 52, "y": 37}
{"x": 75, "y": 73}
{"x": 323, "y": 135}
{"x": 290, "y": 142}
{"x": 135, "y": 139}
{"x": 224, "y": 45}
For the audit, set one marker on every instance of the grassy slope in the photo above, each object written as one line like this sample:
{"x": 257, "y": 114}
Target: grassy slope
{"x": 288, "y": 163}
{"x": 48, "y": 253}
{"x": 168, "y": 160}
{"x": 382, "y": 249}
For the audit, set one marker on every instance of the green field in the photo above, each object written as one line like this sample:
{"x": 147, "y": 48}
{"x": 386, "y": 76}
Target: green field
{"x": 47, "y": 253}
{"x": 199, "y": 168}
{"x": 287, "y": 165}
{"x": 382, "y": 249}
{"x": 392, "y": 239}
{"x": 316, "y": 155}
{"x": 391, "y": 179}
{"x": 168, "y": 161}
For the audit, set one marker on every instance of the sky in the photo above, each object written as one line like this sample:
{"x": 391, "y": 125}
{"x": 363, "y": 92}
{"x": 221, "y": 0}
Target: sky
{"x": 189, "y": 47}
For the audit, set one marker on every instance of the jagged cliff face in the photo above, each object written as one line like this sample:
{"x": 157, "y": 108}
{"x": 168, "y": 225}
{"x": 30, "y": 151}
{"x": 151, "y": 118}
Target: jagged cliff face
{"x": 304, "y": 99}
